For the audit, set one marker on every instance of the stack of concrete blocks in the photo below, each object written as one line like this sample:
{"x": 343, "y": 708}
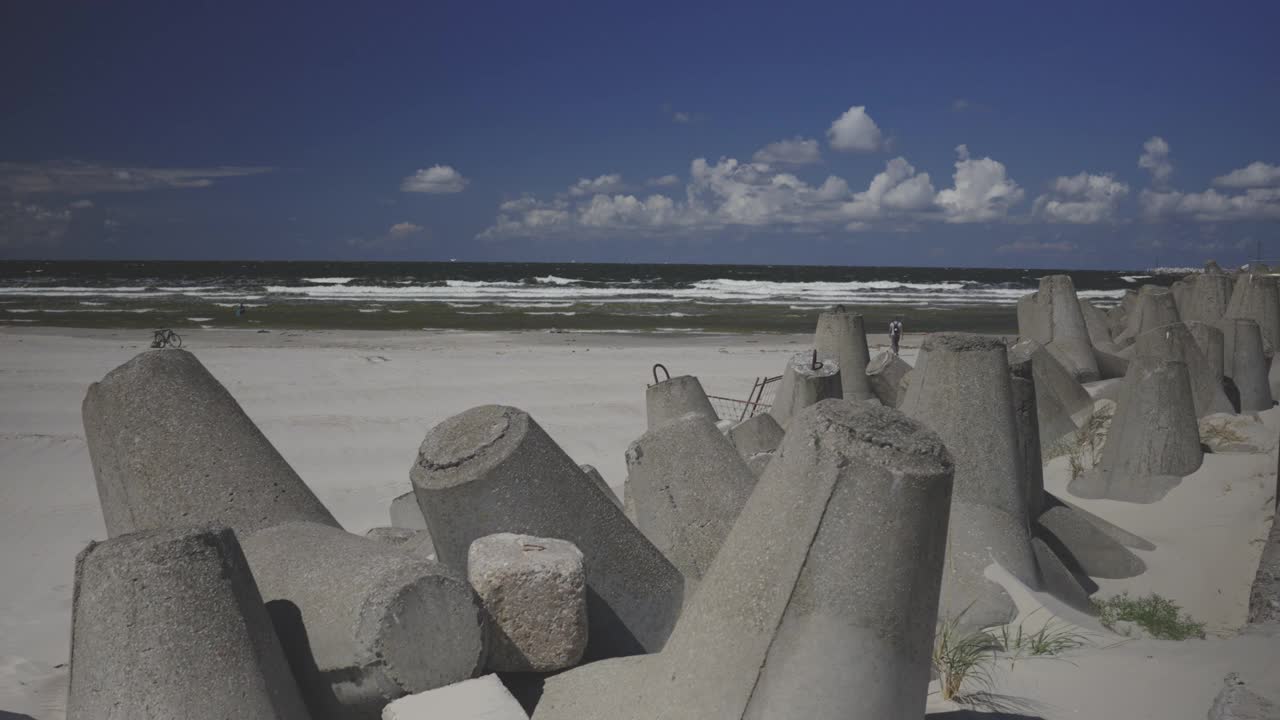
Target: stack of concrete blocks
{"x": 841, "y": 336}
{"x": 1256, "y": 298}
{"x": 889, "y": 376}
{"x": 484, "y": 698}
{"x": 1105, "y": 353}
{"x": 822, "y": 604}
{"x": 1052, "y": 317}
{"x": 1247, "y": 366}
{"x": 806, "y": 381}
{"x": 963, "y": 392}
{"x": 493, "y": 469}
{"x": 170, "y": 624}
{"x": 1062, "y": 404}
{"x": 687, "y": 484}
{"x": 756, "y": 439}
{"x": 674, "y": 397}
{"x": 534, "y": 594}
{"x": 171, "y": 447}
{"x": 1154, "y": 308}
{"x": 1154, "y": 440}
{"x": 1175, "y": 342}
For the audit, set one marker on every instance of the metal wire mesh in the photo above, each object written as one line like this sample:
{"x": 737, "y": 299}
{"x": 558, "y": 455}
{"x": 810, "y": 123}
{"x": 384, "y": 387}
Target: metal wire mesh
{"x": 759, "y": 400}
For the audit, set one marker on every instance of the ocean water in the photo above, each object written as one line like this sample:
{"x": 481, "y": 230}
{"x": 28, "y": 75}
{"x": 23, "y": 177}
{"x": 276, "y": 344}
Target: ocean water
{"x": 515, "y": 296}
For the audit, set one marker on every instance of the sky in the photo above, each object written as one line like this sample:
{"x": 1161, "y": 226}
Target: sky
{"x": 996, "y": 134}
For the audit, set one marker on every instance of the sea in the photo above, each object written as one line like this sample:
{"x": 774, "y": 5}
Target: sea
{"x": 564, "y": 297}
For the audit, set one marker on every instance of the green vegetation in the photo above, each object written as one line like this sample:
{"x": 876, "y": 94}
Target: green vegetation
{"x": 1161, "y": 617}
{"x": 1053, "y": 638}
{"x": 962, "y": 657}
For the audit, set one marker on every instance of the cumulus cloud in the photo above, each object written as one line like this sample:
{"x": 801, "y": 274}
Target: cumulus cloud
{"x": 79, "y": 178}
{"x": 404, "y": 230}
{"x": 796, "y": 151}
{"x": 664, "y": 181}
{"x": 1081, "y": 199}
{"x": 1256, "y": 174}
{"x": 603, "y": 184}
{"x": 1155, "y": 158}
{"x": 435, "y": 179}
{"x": 898, "y": 188}
{"x": 855, "y": 131}
{"x": 983, "y": 191}
{"x": 1211, "y": 205}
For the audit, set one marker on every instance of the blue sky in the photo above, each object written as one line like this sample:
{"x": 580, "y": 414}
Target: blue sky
{"x": 963, "y": 134}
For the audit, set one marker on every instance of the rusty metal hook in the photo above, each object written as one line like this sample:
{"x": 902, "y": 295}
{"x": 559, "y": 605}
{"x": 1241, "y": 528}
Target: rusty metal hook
{"x": 815, "y": 365}
{"x": 655, "y": 372}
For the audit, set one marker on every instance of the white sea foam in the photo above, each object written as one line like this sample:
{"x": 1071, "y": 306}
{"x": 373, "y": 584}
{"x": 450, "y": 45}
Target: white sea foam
{"x": 328, "y": 281}
{"x": 199, "y": 320}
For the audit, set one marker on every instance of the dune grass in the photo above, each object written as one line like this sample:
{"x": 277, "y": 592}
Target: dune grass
{"x": 1161, "y": 617}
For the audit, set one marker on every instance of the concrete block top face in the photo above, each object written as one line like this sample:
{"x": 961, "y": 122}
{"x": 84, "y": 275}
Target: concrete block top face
{"x": 484, "y": 698}
{"x": 169, "y": 624}
{"x": 962, "y": 343}
{"x": 674, "y": 397}
{"x": 757, "y": 434}
{"x": 512, "y": 553}
{"x": 841, "y": 335}
{"x": 170, "y": 445}
{"x": 468, "y": 444}
{"x": 802, "y": 365}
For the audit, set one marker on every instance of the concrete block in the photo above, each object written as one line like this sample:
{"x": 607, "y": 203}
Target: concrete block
{"x": 595, "y": 477}
{"x": 887, "y": 374}
{"x": 1095, "y": 323}
{"x": 1154, "y": 308}
{"x": 803, "y": 384}
{"x": 688, "y": 485}
{"x": 393, "y": 536}
{"x": 674, "y": 397}
{"x": 405, "y": 512}
{"x": 841, "y": 335}
{"x": 362, "y": 623}
{"x": 1235, "y": 701}
{"x": 169, "y": 624}
{"x": 169, "y": 445}
{"x": 1210, "y": 340}
{"x": 1264, "y": 594}
{"x": 757, "y": 434}
{"x": 759, "y": 462}
{"x": 1052, "y": 317}
{"x": 1175, "y": 342}
{"x": 484, "y": 698}
{"x": 493, "y": 469}
{"x": 1255, "y": 297}
{"x": 1247, "y": 366}
{"x": 534, "y": 594}
{"x": 1062, "y": 403}
{"x": 1208, "y": 297}
{"x": 1074, "y": 537}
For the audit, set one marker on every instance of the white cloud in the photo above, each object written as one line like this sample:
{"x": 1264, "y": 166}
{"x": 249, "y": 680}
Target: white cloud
{"x": 404, "y": 230}
{"x": 682, "y": 117}
{"x": 603, "y": 184}
{"x": 855, "y": 131}
{"x": 627, "y": 210}
{"x": 796, "y": 151}
{"x": 1212, "y": 206}
{"x": 983, "y": 191}
{"x": 898, "y": 188}
{"x": 81, "y": 205}
{"x": 77, "y": 178}
{"x": 1036, "y": 246}
{"x": 1256, "y": 174}
{"x": 1081, "y": 199}
{"x": 1155, "y": 157}
{"x": 664, "y": 181}
{"x": 435, "y": 179}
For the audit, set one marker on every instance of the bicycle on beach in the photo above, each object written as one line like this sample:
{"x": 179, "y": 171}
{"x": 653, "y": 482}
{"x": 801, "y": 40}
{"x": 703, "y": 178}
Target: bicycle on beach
{"x": 164, "y": 337}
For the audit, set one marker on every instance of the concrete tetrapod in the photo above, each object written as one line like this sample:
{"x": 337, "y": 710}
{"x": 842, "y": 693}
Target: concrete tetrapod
{"x": 1062, "y": 404}
{"x": 1211, "y": 342}
{"x": 1256, "y": 298}
{"x": 169, "y": 445}
{"x": 688, "y": 485}
{"x": 363, "y": 623}
{"x": 674, "y": 397}
{"x": 1248, "y": 367}
{"x": 1155, "y": 308}
{"x": 805, "y": 381}
{"x": 1175, "y": 342}
{"x": 595, "y": 477}
{"x": 822, "y": 603}
{"x": 963, "y": 393}
{"x": 1154, "y": 439}
{"x": 169, "y": 624}
{"x": 841, "y": 335}
{"x": 493, "y": 469}
{"x": 1207, "y": 298}
{"x": 887, "y": 374}
{"x": 755, "y": 435}
{"x": 405, "y": 512}
{"x": 1052, "y": 317}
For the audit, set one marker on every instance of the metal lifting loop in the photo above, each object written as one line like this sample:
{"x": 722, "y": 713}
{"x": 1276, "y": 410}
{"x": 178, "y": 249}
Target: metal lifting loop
{"x": 655, "y": 372}
{"x": 815, "y": 365}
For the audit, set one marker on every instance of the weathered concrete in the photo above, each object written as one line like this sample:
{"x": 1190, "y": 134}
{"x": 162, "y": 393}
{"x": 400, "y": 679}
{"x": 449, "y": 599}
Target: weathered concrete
{"x": 1154, "y": 308}
{"x": 1154, "y": 439}
{"x": 1052, "y": 317}
{"x": 169, "y": 445}
{"x": 484, "y": 698}
{"x": 1247, "y": 367}
{"x": 1235, "y": 701}
{"x": 675, "y": 397}
{"x": 493, "y": 469}
{"x": 759, "y": 462}
{"x": 534, "y": 593}
{"x": 1175, "y": 342}
{"x": 362, "y": 623}
{"x": 803, "y": 385}
{"x": 757, "y": 434}
{"x": 822, "y": 604}
{"x": 887, "y": 374}
{"x": 1210, "y": 340}
{"x": 1111, "y": 364}
{"x": 688, "y": 485}
{"x": 1023, "y": 389}
{"x": 1256, "y": 298}
{"x": 169, "y": 624}
{"x": 1118, "y": 315}
{"x": 963, "y": 393}
{"x": 841, "y": 335}
{"x": 1207, "y": 298}
{"x": 1062, "y": 404}
{"x": 594, "y": 476}
{"x": 405, "y": 512}
{"x": 1264, "y": 595}
{"x": 1095, "y": 323}
{"x": 1273, "y": 378}
{"x": 391, "y": 535}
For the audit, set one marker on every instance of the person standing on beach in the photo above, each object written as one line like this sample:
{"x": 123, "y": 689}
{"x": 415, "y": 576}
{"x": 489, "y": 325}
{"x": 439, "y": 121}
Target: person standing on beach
{"x": 895, "y": 334}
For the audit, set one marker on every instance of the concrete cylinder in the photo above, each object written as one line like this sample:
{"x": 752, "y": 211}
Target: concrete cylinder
{"x": 169, "y": 445}
{"x": 493, "y": 469}
{"x": 1249, "y": 367}
{"x": 887, "y": 375}
{"x": 841, "y": 335}
{"x": 363, "y": 623}
{"x": 963, "y": 393}
{"x": 1154, "y": 438}
{"x": 169, "y": 624}
{"x": 803, "y": 385}
{"x": 688, "y": 485}
{"x": 1154, "y": 308}
{"x": 1175, "y": 342}
{"x": 674, "y": 397}
{"x": 1255, "y": 297}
